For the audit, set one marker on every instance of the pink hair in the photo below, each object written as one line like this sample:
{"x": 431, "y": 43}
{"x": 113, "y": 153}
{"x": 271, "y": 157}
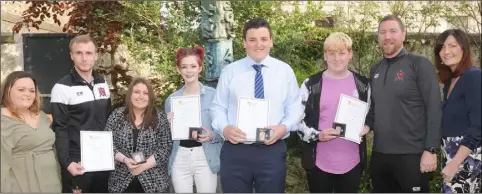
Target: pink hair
{"x": 185, "y": 52}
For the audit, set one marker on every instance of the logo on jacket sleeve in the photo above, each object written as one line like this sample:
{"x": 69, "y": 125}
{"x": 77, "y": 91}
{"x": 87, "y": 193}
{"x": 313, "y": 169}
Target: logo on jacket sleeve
{"x": 399, "y": 76}
{"x": 102, "y": 92}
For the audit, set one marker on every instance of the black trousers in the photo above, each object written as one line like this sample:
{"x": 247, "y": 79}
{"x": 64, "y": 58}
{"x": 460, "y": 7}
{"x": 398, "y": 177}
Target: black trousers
{"x": 398, "y": 173}
{"x": 246, "y": 165}
{"x": 320, "y": 181}
{"x": 89, "y": 182}
{"x": 134, "y": 187}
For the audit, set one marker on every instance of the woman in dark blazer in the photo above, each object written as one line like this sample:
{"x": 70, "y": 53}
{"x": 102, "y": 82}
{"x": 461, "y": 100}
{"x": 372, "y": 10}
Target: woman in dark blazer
{"x": 140, "y": 128}
{"x": 461, "y": 133}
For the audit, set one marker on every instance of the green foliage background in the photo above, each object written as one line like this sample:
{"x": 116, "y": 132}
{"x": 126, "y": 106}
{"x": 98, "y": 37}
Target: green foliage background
{"x": 153, "y": 38}
{"x": 296, "y": 41}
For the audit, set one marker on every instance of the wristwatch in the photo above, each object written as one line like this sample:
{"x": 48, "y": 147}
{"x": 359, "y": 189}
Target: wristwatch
{"x": 431, "y": 150}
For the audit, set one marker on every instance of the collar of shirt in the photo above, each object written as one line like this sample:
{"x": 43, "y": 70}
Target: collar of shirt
{"x": 402, "y": 53}
{"x": 76, "y": 78}
{"x": 203, "y": 89}
{"x": 266, "y": 62}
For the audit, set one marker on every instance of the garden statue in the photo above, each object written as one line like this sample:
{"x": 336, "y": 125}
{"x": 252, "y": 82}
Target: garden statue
{"x": 217, "y": 28}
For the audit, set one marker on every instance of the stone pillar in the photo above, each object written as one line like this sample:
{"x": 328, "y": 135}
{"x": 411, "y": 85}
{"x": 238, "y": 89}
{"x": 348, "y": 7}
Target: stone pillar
{"x": 217, "y": 28}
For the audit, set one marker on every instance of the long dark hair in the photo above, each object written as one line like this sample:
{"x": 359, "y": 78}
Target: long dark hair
{"x": 150, "y": 113}
{"x": 7, "y": 85}
{"x": 444, "y": 72}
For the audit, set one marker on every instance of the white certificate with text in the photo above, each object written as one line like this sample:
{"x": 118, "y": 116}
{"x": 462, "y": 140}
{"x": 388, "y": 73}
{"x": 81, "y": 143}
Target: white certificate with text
{"x": 252, "y": 114}
{"x": 96, "y": 151}
{"x": 187, "y": 113}
{"x": 352, "y": 112}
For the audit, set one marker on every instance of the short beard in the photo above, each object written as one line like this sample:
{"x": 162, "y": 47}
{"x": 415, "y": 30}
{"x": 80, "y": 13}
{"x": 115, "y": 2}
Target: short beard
{"x": 397, "y": 48}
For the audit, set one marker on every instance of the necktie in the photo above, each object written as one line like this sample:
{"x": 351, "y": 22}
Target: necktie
{"x": 258, "y": 82}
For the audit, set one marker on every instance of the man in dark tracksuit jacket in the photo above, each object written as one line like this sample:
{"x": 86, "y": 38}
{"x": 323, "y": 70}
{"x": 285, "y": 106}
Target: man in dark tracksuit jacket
{"x": 311, "y": 102}
{"x": 407, "y": 114}
{"x": 80, "y": 101}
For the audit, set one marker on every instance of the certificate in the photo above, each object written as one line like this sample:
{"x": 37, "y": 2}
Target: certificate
{"x": 96, "y": 151}
{"x": 187, "y": 113}
{"x": 351, "y": 112}
{"x": 252, "y": 114}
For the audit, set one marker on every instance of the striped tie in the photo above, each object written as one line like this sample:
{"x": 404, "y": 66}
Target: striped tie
{"x": 258, "y": 82}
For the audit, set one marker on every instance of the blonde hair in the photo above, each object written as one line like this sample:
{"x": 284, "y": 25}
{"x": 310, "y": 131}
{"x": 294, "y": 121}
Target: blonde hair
{"x": 85, "y": 38}
{"x": 337, "y": 41}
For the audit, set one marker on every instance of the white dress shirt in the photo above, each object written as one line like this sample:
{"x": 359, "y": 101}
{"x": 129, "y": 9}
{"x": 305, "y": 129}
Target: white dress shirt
{"x": 280, "y": 88}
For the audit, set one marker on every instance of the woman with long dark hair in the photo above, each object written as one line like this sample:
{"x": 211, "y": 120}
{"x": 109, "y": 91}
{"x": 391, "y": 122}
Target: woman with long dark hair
{"x": 461, "y": 132}
{"x": 140, "y": 131}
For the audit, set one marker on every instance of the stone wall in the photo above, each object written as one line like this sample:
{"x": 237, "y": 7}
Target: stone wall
{"x": 12, "y": 51}
{"x": 11, "y": 59}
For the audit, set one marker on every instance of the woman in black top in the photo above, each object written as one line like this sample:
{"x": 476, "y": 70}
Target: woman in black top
{"x": 140, "y": 131}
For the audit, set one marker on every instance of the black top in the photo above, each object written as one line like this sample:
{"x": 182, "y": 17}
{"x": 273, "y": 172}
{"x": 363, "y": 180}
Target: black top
{"x": 407, "y": 104}
{"x": 135, "y": 134}
{"x": 135, "y": 184}
{"x": 77, "y": 105}
{"x": 189, "y": 143}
